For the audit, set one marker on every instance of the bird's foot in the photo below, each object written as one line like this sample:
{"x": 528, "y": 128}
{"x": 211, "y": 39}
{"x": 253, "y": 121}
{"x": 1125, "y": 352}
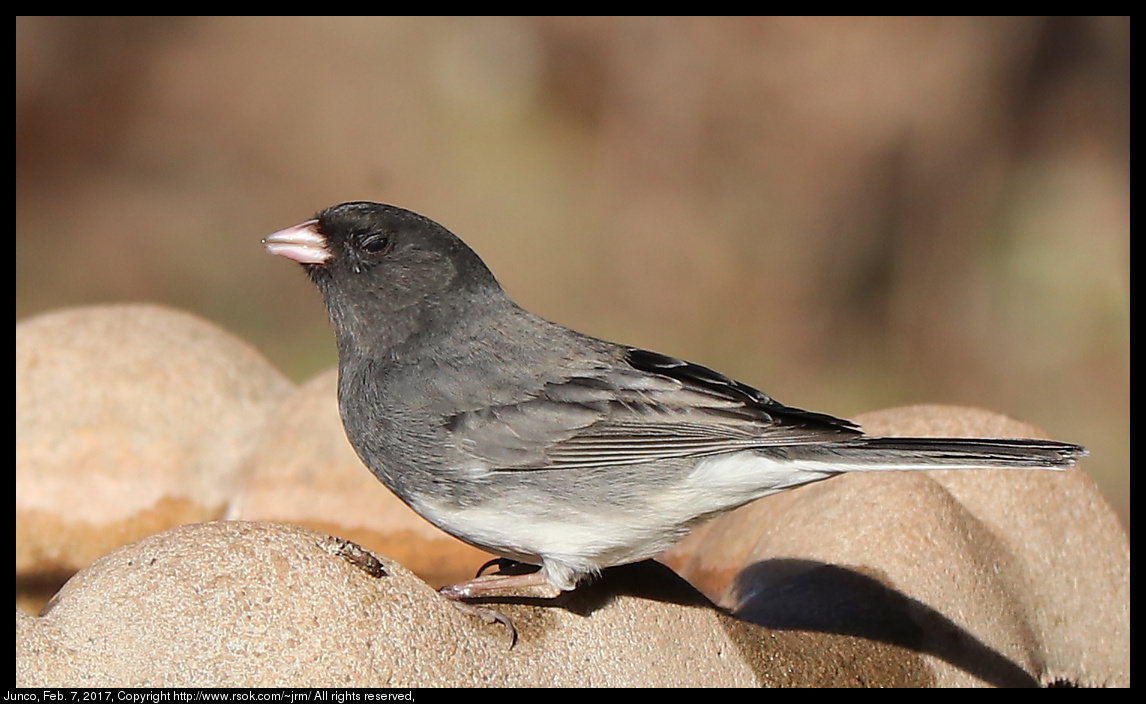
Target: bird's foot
{"x": 488, "y": 586}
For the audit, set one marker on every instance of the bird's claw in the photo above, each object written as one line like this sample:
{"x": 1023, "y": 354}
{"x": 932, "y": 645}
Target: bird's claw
{"x": 489, "y": 615}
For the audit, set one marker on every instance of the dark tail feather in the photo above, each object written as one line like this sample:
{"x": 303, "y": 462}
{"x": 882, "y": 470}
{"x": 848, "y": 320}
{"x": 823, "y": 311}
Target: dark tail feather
{"x": 872, "y": 453}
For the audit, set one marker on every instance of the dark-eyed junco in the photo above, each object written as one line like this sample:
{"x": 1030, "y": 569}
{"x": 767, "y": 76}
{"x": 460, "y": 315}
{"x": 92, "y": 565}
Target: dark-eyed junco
{"x": 547, "y": 446}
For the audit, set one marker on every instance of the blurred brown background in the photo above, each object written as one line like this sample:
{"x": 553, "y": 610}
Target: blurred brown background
{"x": 848, "y": 213}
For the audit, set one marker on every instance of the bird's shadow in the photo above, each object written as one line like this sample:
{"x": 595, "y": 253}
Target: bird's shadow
{"x": 805, "y": 596}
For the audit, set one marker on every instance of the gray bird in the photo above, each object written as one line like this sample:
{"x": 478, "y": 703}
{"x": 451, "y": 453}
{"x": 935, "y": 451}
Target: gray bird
{"x": 546, "y": 446}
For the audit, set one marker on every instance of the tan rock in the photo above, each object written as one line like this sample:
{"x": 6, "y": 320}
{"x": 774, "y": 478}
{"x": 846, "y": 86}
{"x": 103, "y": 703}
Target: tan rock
{"x": 998, "y": 577}
{"x": 257, "y": 604}
{"x": 129, "y": 419}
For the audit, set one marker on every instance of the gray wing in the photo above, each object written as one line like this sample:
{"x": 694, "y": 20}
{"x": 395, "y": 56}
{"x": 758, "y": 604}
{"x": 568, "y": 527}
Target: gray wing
{"x": 650, "y": 408}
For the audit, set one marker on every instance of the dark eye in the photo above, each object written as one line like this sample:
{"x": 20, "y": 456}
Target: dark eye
{"x": 376, "y": 243}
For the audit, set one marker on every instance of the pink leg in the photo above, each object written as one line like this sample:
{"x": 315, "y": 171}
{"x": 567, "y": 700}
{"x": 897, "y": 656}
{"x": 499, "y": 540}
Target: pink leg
{"x": 485, "y": 586}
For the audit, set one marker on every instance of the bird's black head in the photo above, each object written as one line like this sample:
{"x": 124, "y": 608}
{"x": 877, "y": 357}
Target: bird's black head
{"x": 386, "y": 271}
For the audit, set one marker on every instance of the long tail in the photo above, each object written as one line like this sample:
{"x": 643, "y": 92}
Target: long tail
{"x": 875, "y": 453}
